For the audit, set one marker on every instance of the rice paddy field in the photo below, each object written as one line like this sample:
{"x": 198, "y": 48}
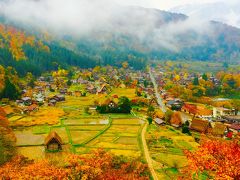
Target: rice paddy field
{"x": 166, "y": 146}
{"x": 80, "y": 132}
{"x": 45, "y": 115}
{"x": 130, "y": 93}
{"x": 121, "y": 137}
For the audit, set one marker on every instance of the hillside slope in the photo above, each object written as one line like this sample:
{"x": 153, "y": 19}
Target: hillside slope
{"x": 130, "y": 34}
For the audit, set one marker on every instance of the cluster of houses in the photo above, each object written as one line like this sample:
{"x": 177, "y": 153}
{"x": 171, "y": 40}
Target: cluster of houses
{"x": 217, "y": 121}
{"x": 225, "y": 124}
{"x": 97, "y": 83}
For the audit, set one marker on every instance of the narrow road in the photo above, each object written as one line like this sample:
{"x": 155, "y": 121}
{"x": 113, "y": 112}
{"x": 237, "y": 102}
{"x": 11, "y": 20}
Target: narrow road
{"x": 147, "y": 154}
{"x": 145, "y": 147}
{"x": 159, "y": 99}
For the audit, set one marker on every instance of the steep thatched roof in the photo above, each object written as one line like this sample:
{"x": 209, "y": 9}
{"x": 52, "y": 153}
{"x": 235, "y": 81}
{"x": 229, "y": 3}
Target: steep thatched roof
{"x": 108, "y": 100}
{"x": 200, "y": 125}
{"x": 159, "y": 121}
{"x": 2, "y": 112}
{"x": 102, "y": 87}
{"x": 4, "y": 121}
{"x": 51, "y": 136}
{"x": 219, "y": 129}
{"x": 176, "y": 119}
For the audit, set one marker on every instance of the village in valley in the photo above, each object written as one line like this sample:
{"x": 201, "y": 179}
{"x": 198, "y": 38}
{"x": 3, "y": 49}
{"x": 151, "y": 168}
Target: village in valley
{"x": 119, "y": 90}
{"x": 155, "y": 114}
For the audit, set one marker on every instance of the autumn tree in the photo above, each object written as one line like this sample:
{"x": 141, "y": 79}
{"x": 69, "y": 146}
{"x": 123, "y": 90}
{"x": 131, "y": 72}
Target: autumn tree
{"x": 236, "y": 105}
{"x": 30, "y": 79}
{"x": 14, "y": 40}
{"x": 125, "y": 65}
{"x": 7, "y": 144}
{"x": 217, "y": 159}
{"x": 7, "y": 139}
{"x": 168, "y": 116}
{"x": 151, "y": 111}
{"x": 2, "y": 77}
{"x": 96, "y": 165}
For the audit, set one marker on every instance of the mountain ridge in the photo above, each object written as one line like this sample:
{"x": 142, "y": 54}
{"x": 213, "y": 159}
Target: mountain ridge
{"x": 138, "y": 35}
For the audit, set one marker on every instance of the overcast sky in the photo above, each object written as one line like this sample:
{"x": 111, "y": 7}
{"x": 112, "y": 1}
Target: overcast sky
{"x": 164, "y": 4}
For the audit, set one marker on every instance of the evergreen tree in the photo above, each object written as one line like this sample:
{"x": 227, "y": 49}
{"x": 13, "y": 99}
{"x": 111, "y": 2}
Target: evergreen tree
{"x": 124, "y": 105}
{"x": 204, "y": 76}
{"x": 150, "y": 120}
{"x": 69, "y": 82}
{"x": 10, "y": 90}
{"x": 150, "y": 111}
{"x": 195, "y": 81}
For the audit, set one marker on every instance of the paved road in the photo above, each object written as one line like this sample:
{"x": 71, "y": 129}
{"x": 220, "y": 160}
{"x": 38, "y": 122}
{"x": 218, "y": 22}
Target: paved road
{"x": 159, "y": 99}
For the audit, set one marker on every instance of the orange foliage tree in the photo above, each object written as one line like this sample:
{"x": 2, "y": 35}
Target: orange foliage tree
{"x": 218, "y": 159}
{"x": 7, "y": 139}
{"x": 97, "y": 165}
{"x": 14, "y": 40}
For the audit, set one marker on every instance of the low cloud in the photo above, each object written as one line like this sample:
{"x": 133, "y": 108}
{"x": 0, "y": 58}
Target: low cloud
{"x": 88, "y": 18}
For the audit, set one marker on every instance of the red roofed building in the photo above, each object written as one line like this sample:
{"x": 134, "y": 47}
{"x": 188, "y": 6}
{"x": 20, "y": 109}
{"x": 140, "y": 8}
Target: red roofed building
{"x": 189, "y": 108}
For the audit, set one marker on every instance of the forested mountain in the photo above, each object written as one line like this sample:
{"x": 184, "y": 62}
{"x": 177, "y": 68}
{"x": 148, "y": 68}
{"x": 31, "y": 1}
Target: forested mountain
{"x": 131, "y": 34}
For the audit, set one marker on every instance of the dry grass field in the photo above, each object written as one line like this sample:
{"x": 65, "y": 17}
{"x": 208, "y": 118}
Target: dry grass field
{"x": 130, "y": 93}
{"x": 45, "y": 115}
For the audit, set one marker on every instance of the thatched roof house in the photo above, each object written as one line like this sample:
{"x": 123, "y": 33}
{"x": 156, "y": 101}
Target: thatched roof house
{"x": 111, "y": 102}
{"x": 53, "y": 142}
{"x": 4, "y": 121}
{"x": 159, "y": 121}
{"x": 176, "y": 119}
{"x": 103, "y": 89}
{"x": 2, "y": 112}
{"x": 219, "y": 129}
{"x": 200, "y": 125}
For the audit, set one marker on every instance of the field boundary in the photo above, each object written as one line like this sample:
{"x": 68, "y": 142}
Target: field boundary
{"x": 97, "y": 135}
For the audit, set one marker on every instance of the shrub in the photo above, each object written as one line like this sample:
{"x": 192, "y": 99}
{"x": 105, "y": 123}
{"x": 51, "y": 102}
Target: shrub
{"x": 168, "y": 116}
{"x": 7, "y": 145}
{"x": 149, "y": 120}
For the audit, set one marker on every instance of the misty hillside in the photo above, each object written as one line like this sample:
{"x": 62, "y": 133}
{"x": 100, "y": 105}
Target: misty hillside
{"x": 159, "y": 34}
{"x": 130, "y": 34}
{"x": 226, "y": 12}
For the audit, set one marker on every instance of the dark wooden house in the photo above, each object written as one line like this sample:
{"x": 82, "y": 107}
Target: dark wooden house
{"x": 200, "y": 125}
{"x": 219, "y": 129}
{"x": 53, "y": 142}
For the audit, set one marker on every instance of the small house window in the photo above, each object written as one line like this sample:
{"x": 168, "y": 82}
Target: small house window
{"x": 53, "y": 146}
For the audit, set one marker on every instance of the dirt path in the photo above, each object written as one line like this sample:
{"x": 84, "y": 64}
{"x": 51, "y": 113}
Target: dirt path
{"x": 146, "y": 153}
